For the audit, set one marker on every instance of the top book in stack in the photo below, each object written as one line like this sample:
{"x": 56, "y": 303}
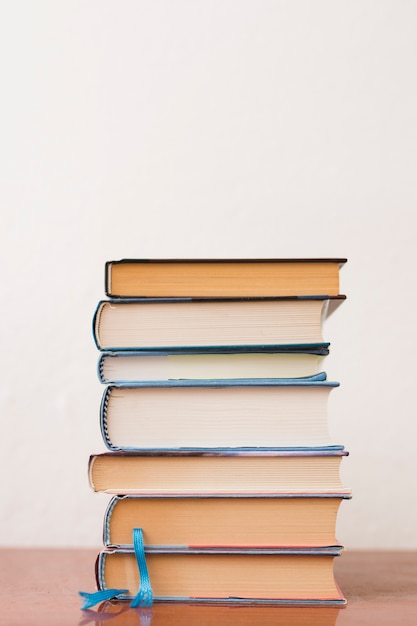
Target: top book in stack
{"x": 214, "y": 278}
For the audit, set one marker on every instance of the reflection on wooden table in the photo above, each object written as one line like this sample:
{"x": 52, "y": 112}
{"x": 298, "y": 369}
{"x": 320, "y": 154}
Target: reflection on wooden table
{"x": 206, "y": 615}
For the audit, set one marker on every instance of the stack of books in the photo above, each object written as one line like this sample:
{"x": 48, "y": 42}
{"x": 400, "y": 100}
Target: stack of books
{"x": 224, "y": 478}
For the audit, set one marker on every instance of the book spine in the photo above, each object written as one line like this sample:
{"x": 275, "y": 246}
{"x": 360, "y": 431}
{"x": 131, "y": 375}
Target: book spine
{"x": 100, "y": 364}
{"x": 107, "y": 516}
{"x": 95, "y": 324}
{"x": 103, "y": 418}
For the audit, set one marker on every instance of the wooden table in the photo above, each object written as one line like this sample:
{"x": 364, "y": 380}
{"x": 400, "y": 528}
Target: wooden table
{"x": 40, "y": 588}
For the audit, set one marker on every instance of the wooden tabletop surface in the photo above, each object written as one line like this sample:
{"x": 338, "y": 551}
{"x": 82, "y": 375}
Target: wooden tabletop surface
{"x": 40, "y": 588}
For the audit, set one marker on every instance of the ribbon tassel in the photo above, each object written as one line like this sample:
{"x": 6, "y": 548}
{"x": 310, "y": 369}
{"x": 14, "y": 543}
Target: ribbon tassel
{"x": 99, "y": 596}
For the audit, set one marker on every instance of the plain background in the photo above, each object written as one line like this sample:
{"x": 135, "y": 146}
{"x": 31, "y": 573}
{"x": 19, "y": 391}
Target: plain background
{"x": 250, "y": 128}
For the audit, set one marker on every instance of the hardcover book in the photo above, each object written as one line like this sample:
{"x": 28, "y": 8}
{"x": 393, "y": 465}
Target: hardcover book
{"x": 234, "y": 472}
{"x": 286, "y": 519}
{"x": 237, "y": 413}
{"x": 274, "y": 575}
{"x": 222, "y": 277}
{"x": 179, "y": 324}
{"x": 129, "y": 366}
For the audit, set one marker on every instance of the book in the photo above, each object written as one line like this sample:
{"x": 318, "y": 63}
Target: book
{"x": 161, "y": 324}
{"x": 219, "y": 614}
{"x": 236, "y": 472}
{"x": 277, "y": 576}
{"x": 287, "y": 519}
{"x": 219, "y": 277}
{"x": 237, "y": 413}
{"x": 128, "y": 366}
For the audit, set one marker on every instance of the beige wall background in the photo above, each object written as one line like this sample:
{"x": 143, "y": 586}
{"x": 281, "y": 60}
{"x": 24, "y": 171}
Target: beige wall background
{"x": 245, "y": 128}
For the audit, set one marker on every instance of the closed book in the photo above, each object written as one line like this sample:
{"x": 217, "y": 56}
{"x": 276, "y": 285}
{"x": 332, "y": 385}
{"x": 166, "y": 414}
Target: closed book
{"x": 287, "y": 519}
{"x": 234, "y": 472}
{"x": 115, "y": 367}
{"x": 274, "y": 575}
{"x": 222, "y": 277}
{"x": 242, "y": 413}
{"x": 178, "y": 323}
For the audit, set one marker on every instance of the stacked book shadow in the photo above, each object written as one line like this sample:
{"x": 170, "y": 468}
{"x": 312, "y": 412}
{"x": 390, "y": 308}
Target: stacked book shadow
{"x": 215, "y": 416}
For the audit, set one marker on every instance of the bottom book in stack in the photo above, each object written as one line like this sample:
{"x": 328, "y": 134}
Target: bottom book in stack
{"x": 277, "y": 575}
{"x": 244, "y": 526}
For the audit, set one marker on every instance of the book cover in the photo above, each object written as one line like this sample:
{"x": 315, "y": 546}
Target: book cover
{"x": 165, "y": 324}
{"x": 291, "y": 361}
{"x": 222, "y": 277}
{"x": 212, "y": 472}
{"x": 221, "y": 414}
{"x": 265, "y": 576}
{"x": 287, "y": 519}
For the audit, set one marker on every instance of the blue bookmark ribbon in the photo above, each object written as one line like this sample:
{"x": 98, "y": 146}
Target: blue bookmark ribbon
{"x": 144, "y": 596}
{"x": 99, "y": 596}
